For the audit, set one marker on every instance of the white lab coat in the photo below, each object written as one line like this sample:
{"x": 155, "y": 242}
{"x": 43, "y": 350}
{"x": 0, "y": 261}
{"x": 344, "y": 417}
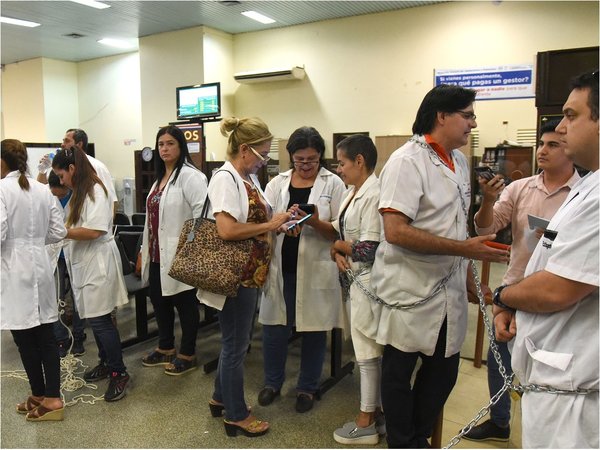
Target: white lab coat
{"x": 29, "y": 220}
{"x": 318, "y": 293}
{"x": 561, "y": 349}
{"x": 105, "y": 177}
{"x": 415, "y": 182}
{"x": 228, "y": 195}
{"x": 362, "y": 222}
{"x": 180, "y": 201}
{"x": 95, "y": 265}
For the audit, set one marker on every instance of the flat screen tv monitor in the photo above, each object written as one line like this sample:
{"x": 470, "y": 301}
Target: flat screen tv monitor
{"x": 198, "y": 101}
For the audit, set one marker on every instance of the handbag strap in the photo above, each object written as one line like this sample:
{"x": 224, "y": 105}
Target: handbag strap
{"x": 204, "y": 214}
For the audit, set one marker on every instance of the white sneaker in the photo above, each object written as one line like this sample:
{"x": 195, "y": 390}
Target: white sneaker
{"x": 352, "y": 434}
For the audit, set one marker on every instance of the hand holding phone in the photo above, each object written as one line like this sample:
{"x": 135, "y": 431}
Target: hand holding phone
{"x": 484, "y": 172}
{"x": 299, "y": 222}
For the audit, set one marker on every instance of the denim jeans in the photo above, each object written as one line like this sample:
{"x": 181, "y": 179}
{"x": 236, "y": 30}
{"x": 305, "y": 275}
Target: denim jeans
{"x": 64, "y": 286}
{"x": 61, "y": 333}
{"x": 236, "y": 320}
{"x": 500, "y": 412}
{"x": 39, "y": 354}
{"x": 164, "y": 309}
{"x": 108, "y": 342}
{"x": 275, "y": 346}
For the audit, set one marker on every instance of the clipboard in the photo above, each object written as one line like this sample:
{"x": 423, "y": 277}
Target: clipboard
{"x": 537, "y": 222}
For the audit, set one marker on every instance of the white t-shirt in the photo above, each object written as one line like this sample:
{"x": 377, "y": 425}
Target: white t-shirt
{"x": 226, "y": 194}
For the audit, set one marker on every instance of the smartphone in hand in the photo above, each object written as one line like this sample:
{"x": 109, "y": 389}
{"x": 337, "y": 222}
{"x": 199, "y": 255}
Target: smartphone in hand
{"x": 299, "y": 222}
{"x": 484, "y": 172}
{"x": 308, "y": 208}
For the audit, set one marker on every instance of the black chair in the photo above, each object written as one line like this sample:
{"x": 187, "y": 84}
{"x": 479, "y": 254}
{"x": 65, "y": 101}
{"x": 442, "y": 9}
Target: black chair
{"x": 139, "y": 290}
{"x": 121, "y": 219}
{"x": 131, "y": 241}
{"x": 138, "y": 218}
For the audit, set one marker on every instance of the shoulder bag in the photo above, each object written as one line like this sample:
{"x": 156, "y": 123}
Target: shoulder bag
{"x": 206, "y": 261}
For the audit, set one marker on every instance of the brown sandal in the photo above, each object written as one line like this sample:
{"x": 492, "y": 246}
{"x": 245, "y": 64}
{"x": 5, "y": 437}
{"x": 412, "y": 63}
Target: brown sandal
{"x": 41, "y": 413}
{"x": 28, "y": 405}
{"x": 253, "y": 429}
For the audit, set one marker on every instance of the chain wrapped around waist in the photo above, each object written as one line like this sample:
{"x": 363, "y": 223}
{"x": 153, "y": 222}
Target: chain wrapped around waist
{"x": 354, "y": 279}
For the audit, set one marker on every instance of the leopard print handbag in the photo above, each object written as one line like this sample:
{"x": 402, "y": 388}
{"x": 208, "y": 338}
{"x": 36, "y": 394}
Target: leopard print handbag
{"x": 206, "y": 261}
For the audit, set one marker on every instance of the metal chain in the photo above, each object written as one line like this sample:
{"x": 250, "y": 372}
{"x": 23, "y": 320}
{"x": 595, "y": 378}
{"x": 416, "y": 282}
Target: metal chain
{"x": 494, "y": 347}
{"x": 353, "y": 277}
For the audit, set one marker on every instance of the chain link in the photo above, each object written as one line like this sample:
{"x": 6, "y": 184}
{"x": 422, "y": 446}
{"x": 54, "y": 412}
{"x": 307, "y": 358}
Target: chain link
{"x": 353, "y": 277}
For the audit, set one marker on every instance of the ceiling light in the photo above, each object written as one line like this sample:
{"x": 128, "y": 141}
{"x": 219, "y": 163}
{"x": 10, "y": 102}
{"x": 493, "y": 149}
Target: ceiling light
{"x": 258, "y": 17}
{"x": 116, "y": 43}
{"x": 92, "y": 3}
{"x": 23, "y": 23}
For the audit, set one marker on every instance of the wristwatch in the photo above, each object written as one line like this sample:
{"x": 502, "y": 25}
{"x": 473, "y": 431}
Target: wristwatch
{"x": 496, "y": 298}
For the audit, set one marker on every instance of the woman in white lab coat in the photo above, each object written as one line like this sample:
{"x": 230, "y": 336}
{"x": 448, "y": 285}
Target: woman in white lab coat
{"x": 95, "y": 265}
{"x": 303, "y": 289}
{"x": 241, "y": 212}
{"x": 30, "y": 218}
{"x": 177, "y": 195}
{"x": 359, "y": 225}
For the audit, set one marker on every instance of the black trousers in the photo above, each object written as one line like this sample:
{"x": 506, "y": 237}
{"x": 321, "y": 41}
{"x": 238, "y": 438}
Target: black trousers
{"x": 411, "y": 412}
{"x": 39, "y": 354}
{"x": 164, "y": 310}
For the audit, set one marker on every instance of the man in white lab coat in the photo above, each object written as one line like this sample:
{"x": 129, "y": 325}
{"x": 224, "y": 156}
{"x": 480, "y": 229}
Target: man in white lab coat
{"x": 76, "y": 137}
{"x": 424, "y": 201}
{"x": 552, "y": 314}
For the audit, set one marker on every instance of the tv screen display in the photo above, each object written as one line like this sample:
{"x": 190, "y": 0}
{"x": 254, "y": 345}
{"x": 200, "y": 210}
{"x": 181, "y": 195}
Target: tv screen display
{"x": 199, "y": 101}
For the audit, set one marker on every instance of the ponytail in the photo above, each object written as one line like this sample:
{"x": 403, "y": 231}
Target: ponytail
{"x": 14, "y": 155}
{"x": 83, "y": 179}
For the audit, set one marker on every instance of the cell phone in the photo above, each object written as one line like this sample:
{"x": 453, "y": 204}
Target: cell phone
{"x": 497, "y": 245}
{"x": 304, "y": 219}
{"x": 308, "y": 208}
{"x": 484, "y": 172}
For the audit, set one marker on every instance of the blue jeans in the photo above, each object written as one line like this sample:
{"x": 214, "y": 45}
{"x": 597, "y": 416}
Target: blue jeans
{"x": 236, "y": 320}
{"x": 275, "y": 346}
{"x": 61, "y": 333}
{"x": 500, "y": 412}
{"x": 108, "y": 342}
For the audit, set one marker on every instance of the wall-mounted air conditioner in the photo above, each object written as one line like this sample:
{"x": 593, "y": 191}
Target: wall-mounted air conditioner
{"x": 263, "y": 76}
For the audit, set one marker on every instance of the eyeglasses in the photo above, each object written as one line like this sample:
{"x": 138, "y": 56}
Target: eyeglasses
{"x": 304, "y": 163}
{"x": 467, "y": 115}
{"x": 261, "y": 157}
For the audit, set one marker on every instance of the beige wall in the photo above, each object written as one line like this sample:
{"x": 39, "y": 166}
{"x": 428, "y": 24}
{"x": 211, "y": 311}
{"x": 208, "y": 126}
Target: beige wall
{"x": 61, "y": 97}
{"x": 39, "y": 100}
{"x": 370, "y": 73}
{"x": 218, "y": 66}
{"x": 167, "y": 60}
{"x": 110, "y": 110}
{"x": 23, "y": 113}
